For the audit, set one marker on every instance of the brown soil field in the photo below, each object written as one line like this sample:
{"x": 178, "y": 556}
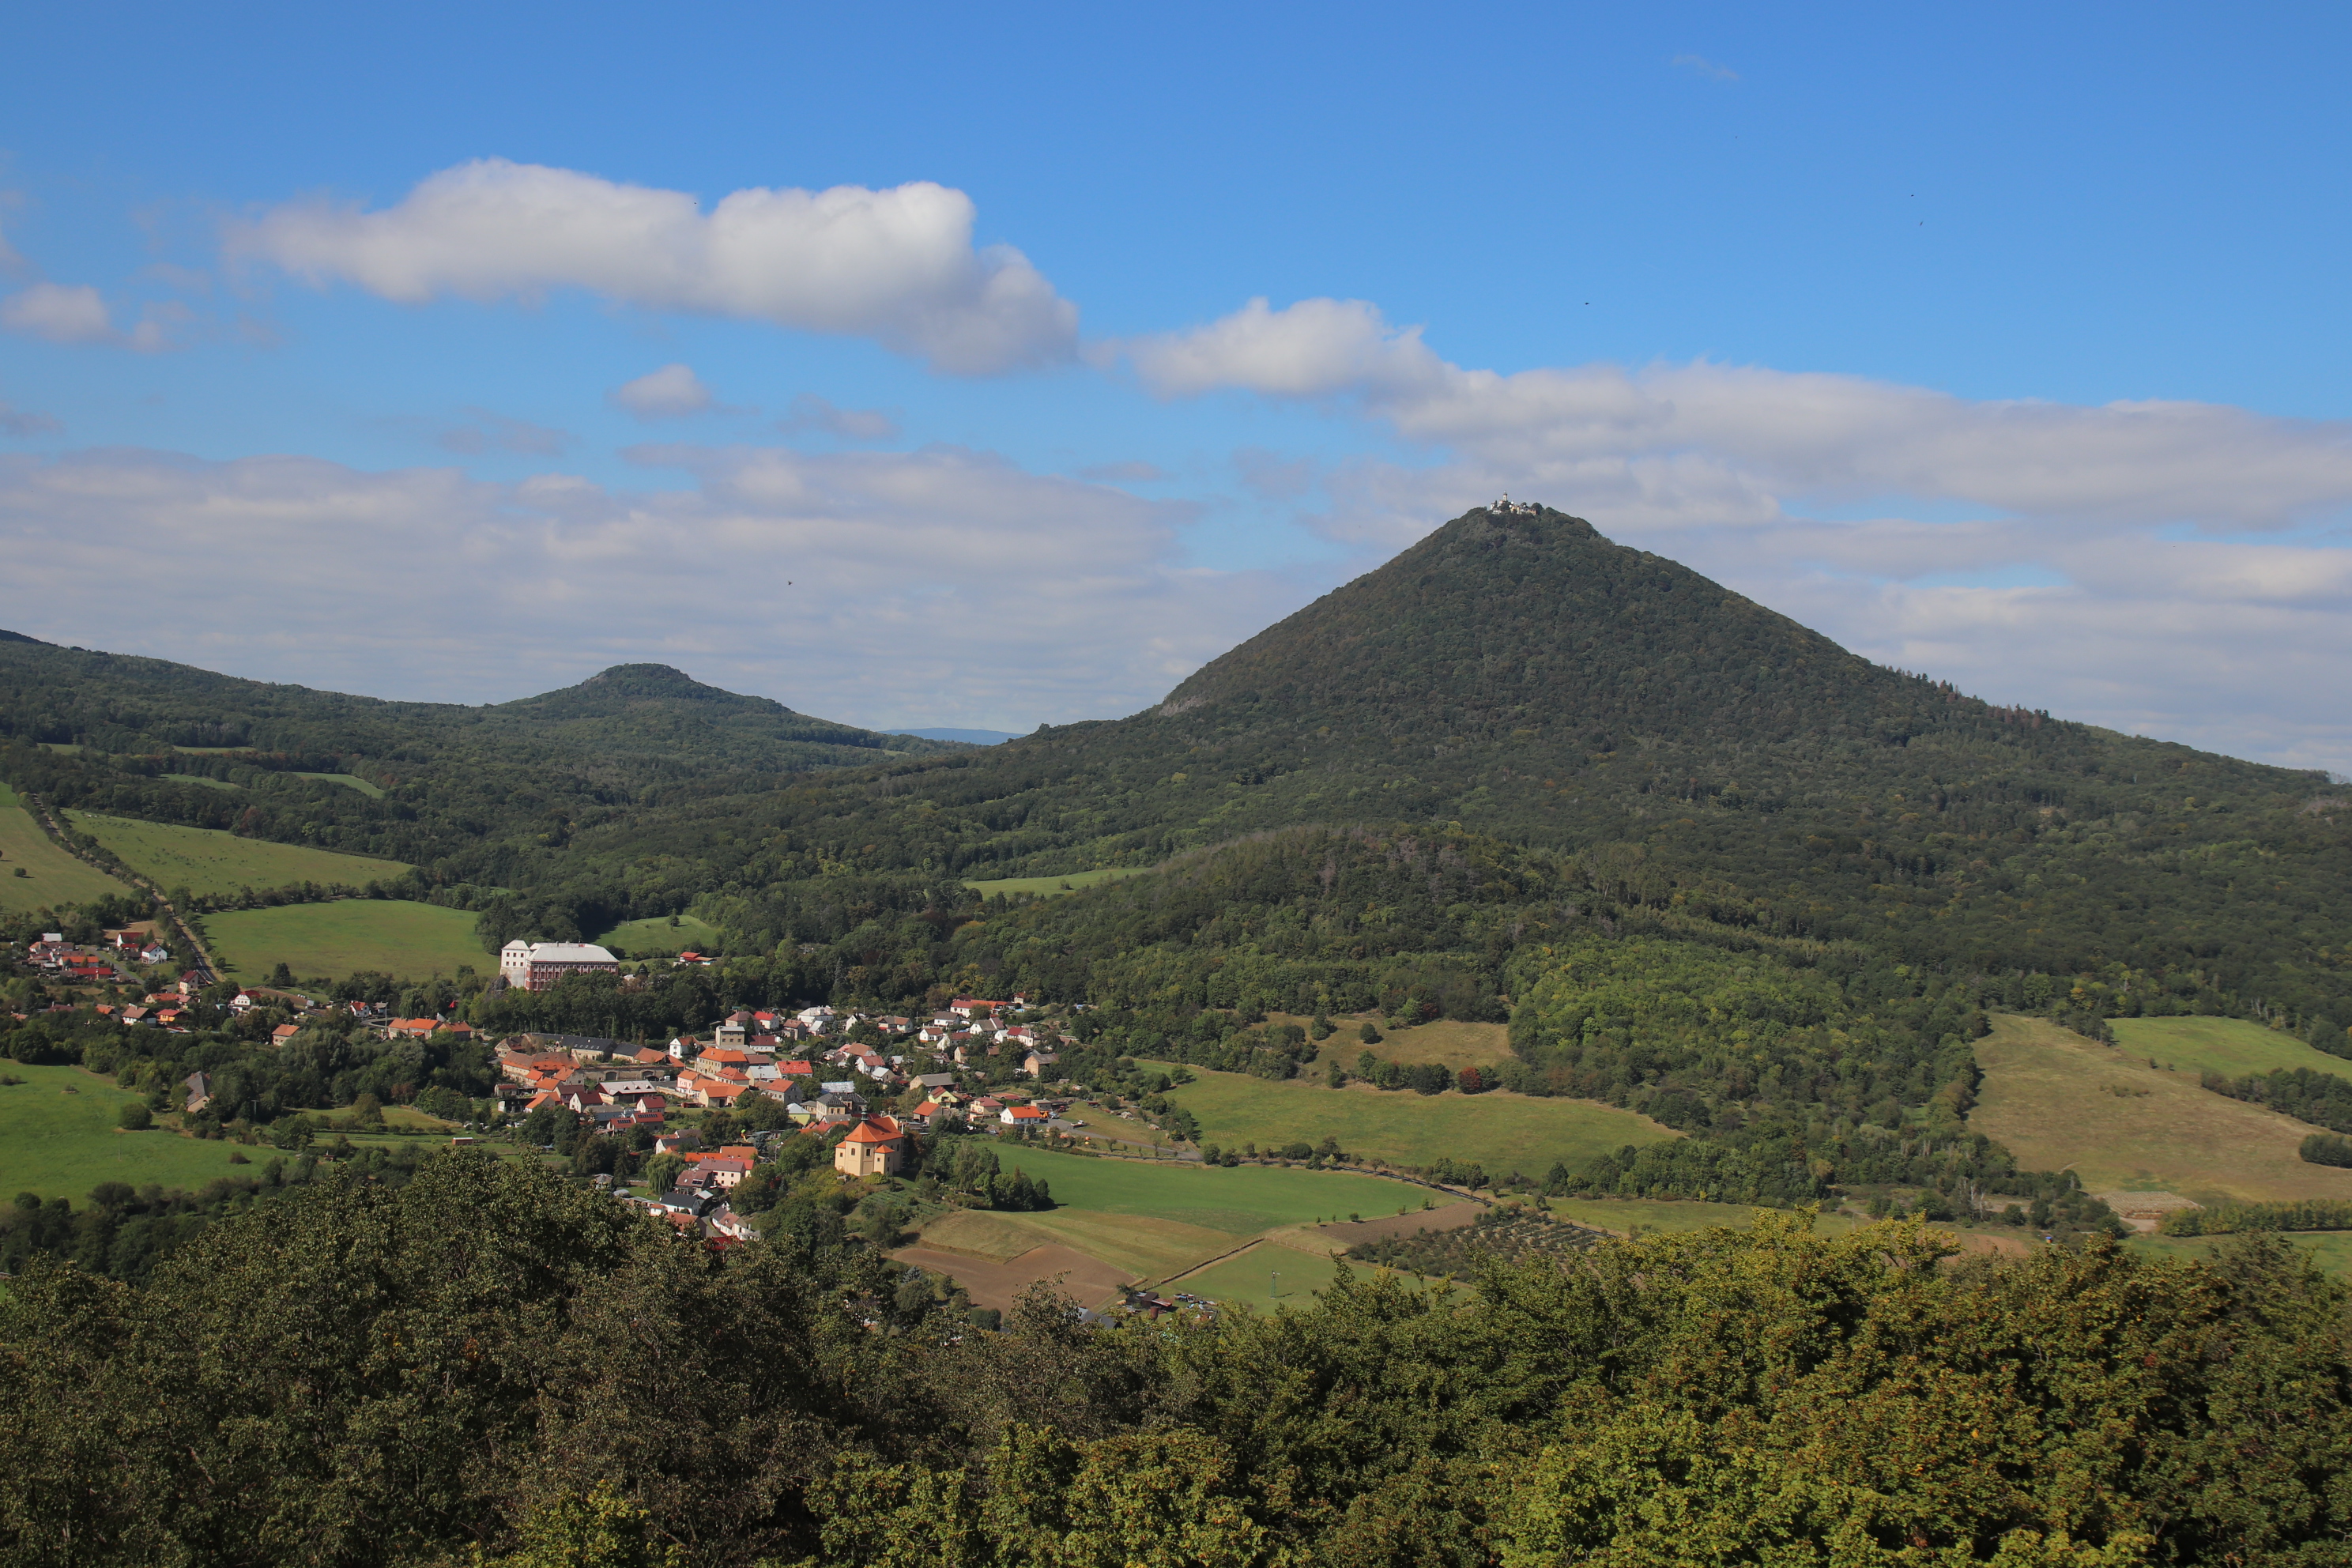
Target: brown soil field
{"x": 1453, "y": 1216}
{"x": 2060, "y": 1101}
{"x": 1090, "y": 1281}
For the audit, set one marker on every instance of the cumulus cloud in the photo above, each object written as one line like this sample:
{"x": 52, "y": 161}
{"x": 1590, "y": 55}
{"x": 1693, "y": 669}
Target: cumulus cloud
{"x": 843, "y": 583}
{"x": 811, "y": 412}
{"x": 898, "y": 266}
{"x": 669, "y": 392}
{"x": 77, "y": 313}
{"x": 1823, "y": 436}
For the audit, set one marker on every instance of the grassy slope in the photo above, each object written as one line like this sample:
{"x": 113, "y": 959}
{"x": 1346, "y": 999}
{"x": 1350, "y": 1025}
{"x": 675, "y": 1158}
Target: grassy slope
{"x": 1155, "y": 1218}
{"x": 2048, "y": 1095}
{"x": 2332, "y": 1250}
{"x": 367, "y": 787}
{"x": 655, "y": 934}
{"x": 1503, "y": 1132}
{"x": 392, "y": 935}
{"x": 55, "y": 877}
{"x": 208, "y": 860}
{"x": 1070, "y": 883}
{"x": 60, "y": 1144}
{"x": 1629, "y": 1215}
{"x": 2231, "y": 1047}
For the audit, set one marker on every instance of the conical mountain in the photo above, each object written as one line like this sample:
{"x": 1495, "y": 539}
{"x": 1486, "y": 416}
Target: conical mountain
{"x": 1518, "y": 675}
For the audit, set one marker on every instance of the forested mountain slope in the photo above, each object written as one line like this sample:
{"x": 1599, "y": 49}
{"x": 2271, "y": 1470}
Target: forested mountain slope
{"x": 471, "y": 790}
{"x": 1522, "y": 677}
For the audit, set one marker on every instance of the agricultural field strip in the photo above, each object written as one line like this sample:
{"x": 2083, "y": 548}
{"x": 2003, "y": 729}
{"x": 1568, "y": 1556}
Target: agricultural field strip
{"x": 2234, "y": 1047}
{"x": 209, "y": 861}
{"x": 54, "y": 875}
{"x": 2060, "y": 1101}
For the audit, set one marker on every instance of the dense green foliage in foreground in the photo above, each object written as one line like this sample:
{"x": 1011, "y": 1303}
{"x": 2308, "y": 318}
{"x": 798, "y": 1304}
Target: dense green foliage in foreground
{"x": 484, "y": 1359}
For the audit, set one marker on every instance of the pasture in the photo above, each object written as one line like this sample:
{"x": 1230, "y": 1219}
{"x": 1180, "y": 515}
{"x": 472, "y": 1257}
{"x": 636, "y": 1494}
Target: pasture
{"x": 2063, "y": 1102}
{"x": 1628, "y": 1217}
{"x": 656, "y": 934}
{"x": 208, "y": 861}
{"x": 201, "y": 779}
{"x": 2234, "y": 1047}
{"x": 2331, "y": 1250}
{"x": 1151, "y": 1219}
{"x": 392, "y": 936}
{"x": 52, "y": 877}
{"x": 1503, "y": 1132}
{"x": 367, "y": 787}
{"x": 58, "y": 1139}
{"x": 1068, "y": 882}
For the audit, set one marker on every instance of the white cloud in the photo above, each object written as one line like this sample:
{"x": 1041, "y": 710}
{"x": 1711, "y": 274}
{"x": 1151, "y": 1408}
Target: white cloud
{"x": 669, "y": 392}
{"x": 811, "y": 412}
{"x": 61, "y": 312}
{"x": 77, "y": 313}
{"x": 845, "y": 584}
{"x": 898, "y": 266}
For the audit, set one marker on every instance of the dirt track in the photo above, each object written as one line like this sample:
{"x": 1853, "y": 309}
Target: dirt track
{"x": 991, "y": 1284}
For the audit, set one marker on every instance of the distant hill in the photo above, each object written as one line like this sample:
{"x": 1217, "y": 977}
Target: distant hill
{"x": 968, "y": 737}
{"x": 478, "y": 792}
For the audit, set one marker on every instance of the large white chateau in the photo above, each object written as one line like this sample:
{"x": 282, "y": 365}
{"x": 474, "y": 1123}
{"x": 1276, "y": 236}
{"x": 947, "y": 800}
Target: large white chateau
{"x": 536, "y": 965}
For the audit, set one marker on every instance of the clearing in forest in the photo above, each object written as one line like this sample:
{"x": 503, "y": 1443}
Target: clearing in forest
{"x": 1068, "y": 882}
{"x": 2234, "y": 1047}
{"x": 658, "y": 933}
{"x": 391, "y": 936}
{"x": 2060, "y": 1101}
{"x": 1502, "y": 1132}
{"x": 208, "y": 861}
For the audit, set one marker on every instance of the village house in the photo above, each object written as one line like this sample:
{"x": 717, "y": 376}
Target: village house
{"x": 1022, "y": 1116}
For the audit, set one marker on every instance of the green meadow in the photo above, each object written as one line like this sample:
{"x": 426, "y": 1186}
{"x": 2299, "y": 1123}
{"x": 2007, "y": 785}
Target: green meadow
{"x": 1068, "y": 882}
{"x": 2331, "y": 1250}
{"x": 51, "y": 876}
{"x": 2234, "y": 1047}
{"x": 58, "y": 1139}
{"x": 391, "y": 936}
{"x": 655, "y": 934}
{"x": 1503, "y": 1132}
{"x": 208, "y": 860}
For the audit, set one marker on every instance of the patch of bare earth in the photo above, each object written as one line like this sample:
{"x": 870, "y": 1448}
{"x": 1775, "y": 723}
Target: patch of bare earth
{"x": 1087, "y": 1281}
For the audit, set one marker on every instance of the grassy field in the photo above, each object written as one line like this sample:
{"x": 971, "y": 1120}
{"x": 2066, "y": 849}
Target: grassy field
{"x": 2231, "y": 1046}
{"x": 1629, "y": 1215}
{"x": 1503, "y": 1132}
{"x": 2331, "y": 1249}
{"x": 1069, "y": 882}
{"x": 2063, "y": 1102}
{"x": 391, "y": 935}
{"x": 1265, "y": 1275}
{"x": 52, "y": 877}
{"x": 201, "y": 779}
{"x": 57, "y": 1138}
{"x": 655, "y": 934}
{"x": 208, "y": 860}
{"x": 1158, "y": 1218}
{"x": 367, "y": 787}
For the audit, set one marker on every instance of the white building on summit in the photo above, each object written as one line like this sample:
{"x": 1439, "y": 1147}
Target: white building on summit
{"x": 536, "y": 965}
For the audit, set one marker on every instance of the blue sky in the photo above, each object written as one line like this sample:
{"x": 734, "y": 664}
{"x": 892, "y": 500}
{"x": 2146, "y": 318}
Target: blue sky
{"x": 2005, "y": 345}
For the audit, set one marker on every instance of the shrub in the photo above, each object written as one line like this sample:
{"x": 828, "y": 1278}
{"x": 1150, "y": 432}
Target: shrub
{"x": 137, "y": 1118}
{"x": 2327, "y": 1149}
